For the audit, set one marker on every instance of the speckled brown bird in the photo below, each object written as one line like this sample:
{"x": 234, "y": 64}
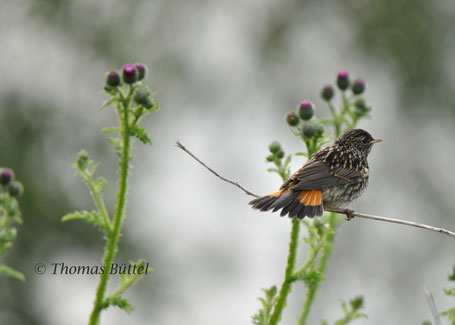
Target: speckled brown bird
{"x": 333, "y": 176}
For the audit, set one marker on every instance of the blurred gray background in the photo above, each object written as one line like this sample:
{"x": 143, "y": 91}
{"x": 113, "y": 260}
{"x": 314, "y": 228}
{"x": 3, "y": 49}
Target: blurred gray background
{"x": 226, "y": 73}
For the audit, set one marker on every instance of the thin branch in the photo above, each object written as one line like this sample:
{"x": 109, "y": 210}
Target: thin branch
{"x": 349, "y": 213}
{"x": 431, "y": 303}
{"x": 181, "y": 146}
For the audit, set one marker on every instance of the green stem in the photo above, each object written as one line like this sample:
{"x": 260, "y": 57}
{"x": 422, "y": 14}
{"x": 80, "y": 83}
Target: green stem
{"x": 99, "y": 202}
{"x": 114, "y": 234}
{"x": 345, "y": 103}
{"x": 288, "y": 277}
{"x": 310, "y": 260}
{"x": 336, "y": 119}
{"x": 327, "y": 251}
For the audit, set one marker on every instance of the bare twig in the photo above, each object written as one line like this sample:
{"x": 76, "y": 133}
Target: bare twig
{"x": 431, "y": 303}
{"x": 181, "y": 146}
{"x": 349, "y": 213}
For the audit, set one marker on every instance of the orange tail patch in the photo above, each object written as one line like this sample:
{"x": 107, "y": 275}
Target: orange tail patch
{"x": 310, "y": 198}
{"x": 278, "y": 193}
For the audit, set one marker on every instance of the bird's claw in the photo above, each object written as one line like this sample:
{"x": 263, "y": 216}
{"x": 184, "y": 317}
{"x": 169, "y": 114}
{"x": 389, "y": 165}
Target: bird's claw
{"x": 349, "y": 214}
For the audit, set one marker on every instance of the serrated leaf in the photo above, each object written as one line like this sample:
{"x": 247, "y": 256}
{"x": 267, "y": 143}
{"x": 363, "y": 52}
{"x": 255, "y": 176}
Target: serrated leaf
{"x": 91, "y": 217}
{"x": 117, "y": 143}
{"x": 287, "y": 161}
{"x": 120, "y": 302}
{"x": 107, "y": 102}
{"x": 140, "y": 133}
{"x": 156, "y": 106}
{"x": 263, "y": 315}
{"x": 8, "y": 271}
{"x": 100, "y": 184}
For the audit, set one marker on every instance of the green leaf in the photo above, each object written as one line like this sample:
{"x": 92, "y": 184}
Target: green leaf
{"x": 92, "y": 217}
{"x": 449, "y": 313}
{"x": 140, "y": 133}
{"x": 107, "y": 103}
{"x": 156, "y": 106}
{"x": 120, "y": 302}
{"x": 8, "y": 271}
{"x": 351, "y": 311}
{"x": 100, "y": 184}
{"x": 287, "y": 161}
{"x": 263, "y": 316}
{"x": 452, "y": 275}
{"x": 108, "y": 130}
{"x": 117, "y": 143}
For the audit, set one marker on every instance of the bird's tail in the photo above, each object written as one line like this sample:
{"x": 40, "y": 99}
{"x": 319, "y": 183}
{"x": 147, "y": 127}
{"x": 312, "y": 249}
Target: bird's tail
{"x": 294, "y": 203}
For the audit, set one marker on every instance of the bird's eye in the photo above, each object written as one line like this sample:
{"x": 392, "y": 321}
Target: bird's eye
{"x": 365, "y": 140}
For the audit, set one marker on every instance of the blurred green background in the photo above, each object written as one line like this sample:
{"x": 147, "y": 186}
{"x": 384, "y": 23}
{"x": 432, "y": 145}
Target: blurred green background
{"x": 226, "y": 73}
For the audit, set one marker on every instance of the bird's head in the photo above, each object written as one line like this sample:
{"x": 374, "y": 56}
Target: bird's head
{"x": 358, "y": 139}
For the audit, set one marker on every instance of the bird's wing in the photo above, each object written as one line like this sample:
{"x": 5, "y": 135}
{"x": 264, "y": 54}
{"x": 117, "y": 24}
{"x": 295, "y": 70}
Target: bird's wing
{"x": 317, "y": 175}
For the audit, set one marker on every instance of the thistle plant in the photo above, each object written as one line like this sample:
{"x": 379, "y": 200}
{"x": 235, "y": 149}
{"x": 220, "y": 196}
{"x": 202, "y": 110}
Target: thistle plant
{"x": 450, "y": 313}
{"x": 320, "y": 231}
{"x": 131, "y": 101}
{"x": 10, "y": 216}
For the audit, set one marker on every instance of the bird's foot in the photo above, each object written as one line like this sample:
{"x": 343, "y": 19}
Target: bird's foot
{"x": 349, "y": 214}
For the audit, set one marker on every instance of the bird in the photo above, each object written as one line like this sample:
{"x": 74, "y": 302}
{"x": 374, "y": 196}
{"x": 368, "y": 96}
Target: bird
{"x": 333, "y": 176}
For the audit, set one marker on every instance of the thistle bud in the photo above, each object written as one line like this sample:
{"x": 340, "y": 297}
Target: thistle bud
{"x": 82, "y": 161}
{"x": 319, "y": 130}
{"x": 129, "y": 74}
{"x": 280, "y": 154}
{"x": 15, "y": 189}
{"x": 358, "y": 86}
{"x": 275, "y": 147}
{"x": 357, "y": 303}
{"x": 361, "y": 105}
{"x": 327, "y": 93}
{"x": 270, "y": 158}
{"x": 292, "y": 119}
{"x": 141, "y": 69}
{"x": 309, "y": 130}
{"x": 343, "y": 80}
{"x": 113, "y": 79}
{"x": 142, "y": 96}
{"x": 306, "y": 110}
{"x": 6, "y": 175}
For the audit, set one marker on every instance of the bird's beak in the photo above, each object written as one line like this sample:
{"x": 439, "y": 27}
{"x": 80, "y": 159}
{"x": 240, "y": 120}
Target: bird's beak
{"x": 375, "y": 141}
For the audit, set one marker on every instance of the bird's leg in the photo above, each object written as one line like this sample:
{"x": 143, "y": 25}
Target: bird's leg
{"x": 349, "y": 214}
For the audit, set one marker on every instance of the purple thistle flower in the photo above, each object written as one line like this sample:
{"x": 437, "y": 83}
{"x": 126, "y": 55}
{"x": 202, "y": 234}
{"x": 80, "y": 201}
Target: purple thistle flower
{"x": 113, "y": 79}
{"x": 306, "y": 110}
{"x": 292, "y": 119}
{"x": 343, "y": 80}
{"x": 358, "y": 86}
{"x": 129, "y": 74}
{"x": 327, "y": 92}
{"x": 141, "y": 69}
{"x": 6, "y": 175}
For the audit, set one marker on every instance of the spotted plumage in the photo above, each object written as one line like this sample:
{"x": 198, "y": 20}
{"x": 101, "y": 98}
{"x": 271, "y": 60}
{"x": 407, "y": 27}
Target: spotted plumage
{"x": 333, "y": 176}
